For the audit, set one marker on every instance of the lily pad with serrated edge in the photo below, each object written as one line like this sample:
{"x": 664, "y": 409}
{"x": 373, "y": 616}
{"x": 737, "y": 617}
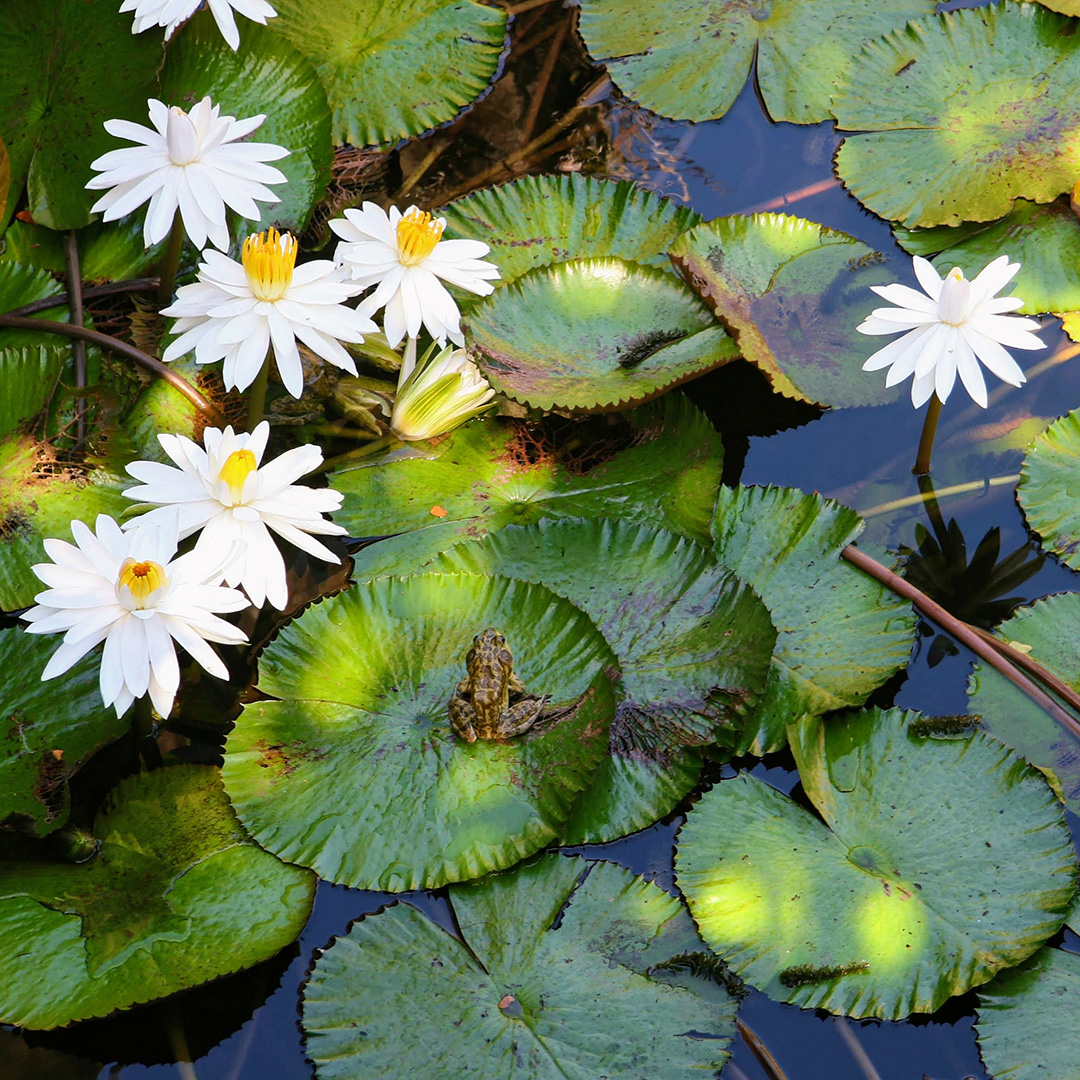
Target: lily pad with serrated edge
{"x": 1051, "y": 626}
{"x": 840, "y": 634}
{"x": 1043, "y": 239}
{"x": 792, "y": 293}
{"x": 52, "y": 728}
{"x": 690, "y": 62}
{"x": 594, "y": 335}
{"x": 559, "y": 973}
{"x": 662, "y": 466}
{"x": 22, "y": 285}
{"x": 953, "y": 123}
{"x": 537, "y": 220}
{"x": 1050, "y": 485}
{"x": 692, "y": 641}
{"x": 67, "y": 66}
{"x": 356, "y": 771}
{"x": 198, "y": 62}
{"x": 176, "y": 895}
{"x": 395, "y": 70}
{"x": 29, "y": 376}
{"x": 935, "y": 863}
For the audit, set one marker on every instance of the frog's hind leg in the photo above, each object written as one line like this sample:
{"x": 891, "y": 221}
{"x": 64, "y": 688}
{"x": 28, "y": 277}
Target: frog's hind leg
{"x": 518, "y": 718}
{"x": 462, "y": 716}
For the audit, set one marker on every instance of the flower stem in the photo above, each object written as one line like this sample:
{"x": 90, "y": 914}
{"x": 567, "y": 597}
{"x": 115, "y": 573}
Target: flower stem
{"x": 926, "y": 440}
{"x": 257, "y": 395}
{"x": 78, "y": 346}
{"x": 171, "y": 261}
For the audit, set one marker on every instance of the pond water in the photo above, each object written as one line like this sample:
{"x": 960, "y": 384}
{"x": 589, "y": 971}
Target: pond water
{"x": 247, "y": 1027}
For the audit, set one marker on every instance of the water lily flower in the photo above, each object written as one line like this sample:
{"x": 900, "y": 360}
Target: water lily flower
{"x": 237, "y": 310}
{"x": 126, "y": 589}
{"x": 441, "y": 394}
{"x": 227, "y": 491}
{"x": 171, "y": 13}
{"x": 191, "y": 162}
{"x": 404, "y": 256}
{"x": 951, "y": 328}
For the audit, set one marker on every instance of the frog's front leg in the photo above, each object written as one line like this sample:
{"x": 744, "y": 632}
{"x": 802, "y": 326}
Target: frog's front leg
{"x": 518, "y": 718}
{"x": 462, "y": 713}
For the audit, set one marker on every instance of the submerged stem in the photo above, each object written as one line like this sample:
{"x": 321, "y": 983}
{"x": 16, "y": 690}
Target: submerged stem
{"x": 926, "y": 440}
{"x": 170, "y": 262}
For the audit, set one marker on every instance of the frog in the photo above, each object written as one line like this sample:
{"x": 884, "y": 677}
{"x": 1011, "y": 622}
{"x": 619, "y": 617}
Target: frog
{"x": 480, "y": 705}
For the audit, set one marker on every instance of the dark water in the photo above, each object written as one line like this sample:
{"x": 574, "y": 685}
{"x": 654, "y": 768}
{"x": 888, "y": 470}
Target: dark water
{"x": 742, "y": 162}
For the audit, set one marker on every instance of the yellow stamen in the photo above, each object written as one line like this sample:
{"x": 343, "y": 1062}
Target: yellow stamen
{"x": 956, "y": 274}
{"x": 239, "y": 465}
{"x": 141, "y": 579}
{"x": 269, "y": 259}
{"x": 417, "y": 234}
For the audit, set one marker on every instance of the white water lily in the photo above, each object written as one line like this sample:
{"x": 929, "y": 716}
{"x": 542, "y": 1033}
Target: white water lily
{"x": 121, "y": 588}
{"x": 191, "y": 162}
{"x": 235, "y": 499}
{"x": 951, "y": 328}
{"x": 404, "y": 256}
{"x": 171, "y": 13}
{"x": 440, "y": 394}
{"x": 237, "y": 310}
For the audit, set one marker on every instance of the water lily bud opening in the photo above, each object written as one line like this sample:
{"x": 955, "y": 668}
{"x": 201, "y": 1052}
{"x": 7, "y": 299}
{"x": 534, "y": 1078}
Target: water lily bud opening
{"x": 239, "y": 465}
{"x": 440, "y": 395}
{"x": 181, "y": 137}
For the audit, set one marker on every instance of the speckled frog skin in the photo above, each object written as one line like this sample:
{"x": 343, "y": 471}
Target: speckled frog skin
{"x": 480, "y": 705}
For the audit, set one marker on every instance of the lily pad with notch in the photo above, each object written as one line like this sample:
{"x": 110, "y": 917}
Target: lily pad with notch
{"x": 692, "y": 641}
{"x": 1050, "y": 485}
{"x": 952, "y": 124}
{"x": 356, "y": 772}
{"x": 935, "y": 863}
{"x": 840, "y": 634}
{"x": 563, "y": 969}
{"x": 594, "y": 335}
{"x": 175, "y": 896}
{"x": 395, "y": 70}
{"x": 791, "y": 292}
{"x": 661, "y": 463}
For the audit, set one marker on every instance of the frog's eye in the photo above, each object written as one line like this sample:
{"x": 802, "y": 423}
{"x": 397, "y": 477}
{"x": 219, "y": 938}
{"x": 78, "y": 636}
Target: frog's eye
{"x": 470, "y": 657}
{"x": 499, "y": 639}
{"x": 505, "y": 657}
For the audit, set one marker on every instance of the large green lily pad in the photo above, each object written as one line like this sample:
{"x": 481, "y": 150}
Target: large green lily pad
{"x": 557, "y": 976}
{"x": 1043, "y": 239}
{"x": 792, "y": 293}
{"x": 663, "y": 467}
{"x": 67, "y": 66}
{"x": 962, "y": 113}
{"x": 1051, "y": 626}
{"x": 594, "y": 335}
{"x": 538, "y": 220}
{"x": 22, "y": 285}
{"x": 839, "y": 633}
{"x": 29, "y": 377}
{"x": 689, "y": 62}
{"x": 357, "y": 772}
{"x": 1028, "y": 1023}
{"x": 114, "y": 251}
{"x": 51, "y": 729}
{"x": 176, "y": 895}
{"x": 692, "y": 641}
{"x": 199, "y": 62}
{"x": 394, "y": 70}
{"x": 935, "y": 863}
{"x": 1050, "y": 486}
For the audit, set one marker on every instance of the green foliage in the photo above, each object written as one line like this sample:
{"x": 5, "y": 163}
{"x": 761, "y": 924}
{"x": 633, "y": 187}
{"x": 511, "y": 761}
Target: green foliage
{"x": 1049, "y": 486}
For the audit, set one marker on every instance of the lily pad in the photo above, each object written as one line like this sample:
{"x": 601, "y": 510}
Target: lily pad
{"x": 22, "y": 285}
{"x": 1050, "y": 485}
{"x": 1051, "y": 626}
{"x": 176, "y": 895}
{"x": 1044, "y": 239}
{"x": 792, "y": 293}
{"x": 50, "y": 731}
{"x": 29, "y": 377}
{"x": 1028, "y": 1019}
{"x": 956, "y": 125}
{"x": 538, "y": 220}
{"x": 690, "y": 62}
{"x": 839, "y": 633}
{"x": 199, "y": 62}
{"x": 394, "y": 70}
{"x": 594, "y": 335}
{"x": 693, "y": 645}
{"x": 663, "y": 467}
{"x": 357, "y": 772}
{"x": 935, "y": 863}
{"x": 67, "y": 66}
{"x": 558, "y": 973}
{"x": 113, "y": 252}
